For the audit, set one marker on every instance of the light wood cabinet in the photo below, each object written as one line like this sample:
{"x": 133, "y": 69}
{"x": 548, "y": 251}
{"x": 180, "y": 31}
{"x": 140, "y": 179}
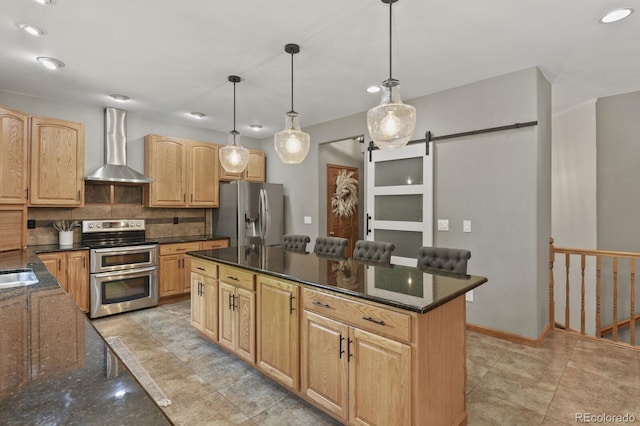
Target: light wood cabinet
{"x": 13, "y": 227}
{"x": 277, "y": 330}
{"x": 174, "y": 266}
{"x": 14, "y": 344}
{"x": 71, "y": 269}
{"x": 255, "y": 171}
{"x": 57, "y": 163}
{"x": 184, "y": 172}
{"x": 13, "y": 157}
{"x": 344, "y": 368}
{"x": 204, "y": 298}
{"x": 237, "y": 312}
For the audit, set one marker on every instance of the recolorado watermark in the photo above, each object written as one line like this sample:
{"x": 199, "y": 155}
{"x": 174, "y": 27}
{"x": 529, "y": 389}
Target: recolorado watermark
{"x": 605, "y": 418}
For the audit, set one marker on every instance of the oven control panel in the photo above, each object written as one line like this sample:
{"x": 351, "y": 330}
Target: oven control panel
{"x": 112, "y": 225}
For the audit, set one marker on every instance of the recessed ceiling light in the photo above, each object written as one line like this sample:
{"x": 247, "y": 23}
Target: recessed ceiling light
{"x": 373, "y": 89}
{"x": 197, "y": 115}
{"x": 50, "y": 63}
{"x": 616, "y": 15}
{"x": 256, "y": 127}
{"x": 119, "y": 98}
{"x": 46, "y": 2}
{"x": 32, "y": 29}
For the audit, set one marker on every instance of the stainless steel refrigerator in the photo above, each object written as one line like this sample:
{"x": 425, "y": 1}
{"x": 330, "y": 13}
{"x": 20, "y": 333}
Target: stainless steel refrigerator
{"x": 250, "y": 213}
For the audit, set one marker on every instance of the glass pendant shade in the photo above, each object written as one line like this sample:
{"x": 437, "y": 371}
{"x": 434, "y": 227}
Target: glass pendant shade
{"x": 234, "y": 157}
{"x": 391, "y": 124}
{"x": 292, "y": 144}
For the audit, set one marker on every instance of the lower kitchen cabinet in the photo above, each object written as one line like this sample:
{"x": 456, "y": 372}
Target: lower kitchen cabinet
{"x": 344, "y": 369}
{"x": 14, "y": 344}
{"x": 174, "y": 278}
{"x": 277, "y": 334}
{"x": 71, "y": 269}
{"x": 237, "y": 312}
{"x": 204, "y": 298}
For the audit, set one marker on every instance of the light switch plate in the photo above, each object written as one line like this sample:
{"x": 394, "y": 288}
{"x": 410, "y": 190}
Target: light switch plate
{"x": 466, "y": 226}
{"x": 307, "y": 220}
{"x": 443, "y": 224}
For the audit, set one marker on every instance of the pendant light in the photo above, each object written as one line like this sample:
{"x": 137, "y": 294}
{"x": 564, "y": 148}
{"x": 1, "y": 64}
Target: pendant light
{"x": 234, "y": 157}
{"x": 292, "y": 144}
{"x": 391, "y": 123}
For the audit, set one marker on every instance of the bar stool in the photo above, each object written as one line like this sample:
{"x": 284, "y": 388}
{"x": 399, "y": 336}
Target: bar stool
{"x": 330, "y": 246}
{"x": 443, "y": 259}
{"x": 294, "y": 242}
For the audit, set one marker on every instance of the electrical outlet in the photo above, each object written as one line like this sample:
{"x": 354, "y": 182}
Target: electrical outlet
{"x": 466, "y": 226}
{"x": 175, "y": 220}
{"x": 469, "y": 296}
{"x": 31, "y": 223}
{"x": 443, "y": 224}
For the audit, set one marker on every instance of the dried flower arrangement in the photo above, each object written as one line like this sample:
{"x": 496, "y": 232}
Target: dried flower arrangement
{"x": 65, "y": 225}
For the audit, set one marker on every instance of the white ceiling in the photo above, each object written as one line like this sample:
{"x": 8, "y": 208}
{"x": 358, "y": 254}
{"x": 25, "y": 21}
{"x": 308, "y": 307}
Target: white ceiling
{"x": 172, "y": 57}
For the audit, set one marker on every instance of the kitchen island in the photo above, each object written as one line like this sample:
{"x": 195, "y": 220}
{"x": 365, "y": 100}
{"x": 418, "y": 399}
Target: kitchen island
{"x": 53, "y": 363}
{"x": 366, "y": 344}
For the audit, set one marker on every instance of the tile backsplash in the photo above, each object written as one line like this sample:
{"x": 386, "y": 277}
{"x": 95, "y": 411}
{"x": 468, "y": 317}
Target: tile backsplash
{"x": 160, "y": 222}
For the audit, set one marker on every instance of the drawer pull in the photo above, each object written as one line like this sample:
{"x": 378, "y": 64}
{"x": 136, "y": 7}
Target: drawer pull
{"x": 200, "y": 268}
{"x": 379, "y": 322}
{"x": 233, "y": 278}
{"x": 291, "y": 307}
{"x": 322, "y": 305}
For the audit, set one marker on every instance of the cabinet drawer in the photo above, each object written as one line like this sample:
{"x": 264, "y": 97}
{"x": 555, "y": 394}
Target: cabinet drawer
{"x": 205, "y": 268}
{"x": 179, "y": 248}
{"x": 214, "y": 244}
{"x": 237, "y": 277}
{"x": 364, "y": 316}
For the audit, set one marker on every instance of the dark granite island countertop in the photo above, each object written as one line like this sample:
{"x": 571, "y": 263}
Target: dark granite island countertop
{"x": 53, "y": 363}
{"x": 404, "y": 287}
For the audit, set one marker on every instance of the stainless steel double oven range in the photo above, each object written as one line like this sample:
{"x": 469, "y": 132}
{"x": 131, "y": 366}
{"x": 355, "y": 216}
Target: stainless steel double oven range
{"x": 123, "y": 266}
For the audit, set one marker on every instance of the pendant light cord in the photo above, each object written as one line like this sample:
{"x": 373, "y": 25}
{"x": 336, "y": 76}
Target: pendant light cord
{"x": 234, "y": 106}
{"x": 390, "y": 37}
{"x": 292, "y": 110}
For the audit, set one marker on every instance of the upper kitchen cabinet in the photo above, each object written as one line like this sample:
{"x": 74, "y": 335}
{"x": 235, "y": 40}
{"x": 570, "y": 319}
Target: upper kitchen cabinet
{"x": 57, "y": 163}
{"x": 255, "y": 171}
{"x": 13, "y": 157}
{"x": 184, "y": 172}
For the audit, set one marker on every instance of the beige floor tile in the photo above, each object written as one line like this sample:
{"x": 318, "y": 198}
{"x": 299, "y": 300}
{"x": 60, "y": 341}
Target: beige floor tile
{"x": 485, "y": 409}
{"x": 254, "y": 394}
{"x": 292, "y": 411}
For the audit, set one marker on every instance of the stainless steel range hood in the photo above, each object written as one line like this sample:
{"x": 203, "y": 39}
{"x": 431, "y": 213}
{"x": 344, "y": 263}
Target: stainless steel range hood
{"x": 115, "y": 152}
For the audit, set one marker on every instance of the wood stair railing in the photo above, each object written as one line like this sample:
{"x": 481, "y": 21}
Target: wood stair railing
{"x": 599, "y": 255}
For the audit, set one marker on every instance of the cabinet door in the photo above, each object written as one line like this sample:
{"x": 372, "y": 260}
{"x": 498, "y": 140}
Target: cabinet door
{"x": 13, "y": 157}
{"x": 324, "y": 372}
{"x": 165, "y": 162}
{"x": 56, "y": 263}
{"x": 278, "y": 330}
{"x": 170, "y": 276}
{"x": 245, "y": 305}
{"x": 14, "y": 368}
{"x": 379, "y": 363}
{"x": 226, "y": 315}
{"x": 57, "y": 163}
{"x": 214, "y": 244}
{"x": 78, "y": 277}
{"x": 186, "y": 273}
{"x": 210, "y": 320}
{"x": 255, "y": 171}
{"x": 197, "y": 301}
{"x": 203, "y": 175}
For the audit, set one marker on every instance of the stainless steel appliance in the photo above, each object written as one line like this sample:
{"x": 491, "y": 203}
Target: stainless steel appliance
{"x": 250, "y": 213}
{"x": 123, "y": 266}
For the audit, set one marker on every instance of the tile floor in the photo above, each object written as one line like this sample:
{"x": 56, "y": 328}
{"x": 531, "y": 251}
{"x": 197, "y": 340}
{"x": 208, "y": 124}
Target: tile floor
{"x": 507, "y": 384}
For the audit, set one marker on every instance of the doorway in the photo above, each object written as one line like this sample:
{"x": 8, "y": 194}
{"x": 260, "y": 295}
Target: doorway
{"x": 342, "y": 204}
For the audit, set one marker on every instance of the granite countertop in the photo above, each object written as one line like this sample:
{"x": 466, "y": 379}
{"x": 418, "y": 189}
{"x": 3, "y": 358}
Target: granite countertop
{"x": 404, "y": 287}
{"x": 53, "y": 367}
{"x": 189, "y": 238}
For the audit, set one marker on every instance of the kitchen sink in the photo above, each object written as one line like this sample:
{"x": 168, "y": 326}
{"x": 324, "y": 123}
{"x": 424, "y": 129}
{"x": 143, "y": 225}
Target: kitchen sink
{"x": 17, "y": 277}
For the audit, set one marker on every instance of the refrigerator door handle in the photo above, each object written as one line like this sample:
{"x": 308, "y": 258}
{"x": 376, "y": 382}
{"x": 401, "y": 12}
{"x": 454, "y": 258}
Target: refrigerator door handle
{"x": 264, "y": 215}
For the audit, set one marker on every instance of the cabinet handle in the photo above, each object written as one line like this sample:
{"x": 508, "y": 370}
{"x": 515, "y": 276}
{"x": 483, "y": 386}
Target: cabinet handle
{"x": 184, "y": 198}
{"x": 26, "y": 193}
{"x": 84, "y": 262}
{"x": 291, "y": 308}
{"x": 78, "y": 195}
{"x": 349, "y": 354}
{"x": 379, "y": 322}
{"x": 192, "y": 198}
{"x": 322, "y": 305}
{"x": 200, "y": 268}
{"x": 341, "y": 350}
{"x": 230, "y": 303}
{"x": 59, "y": 264}
{"x": 233, "y": 301}
{"x": 233, "y": 278}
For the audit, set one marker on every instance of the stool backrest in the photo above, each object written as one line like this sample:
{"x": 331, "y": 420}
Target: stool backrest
{"x": 376, "y": 252}
{"x": 295, "y": 242}
{"x": 443, "y": 259}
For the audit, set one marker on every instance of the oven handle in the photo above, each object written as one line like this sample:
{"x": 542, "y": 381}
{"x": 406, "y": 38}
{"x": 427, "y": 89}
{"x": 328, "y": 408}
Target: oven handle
{"x": 137, "y": 271}
{"x": 125, "y": 249}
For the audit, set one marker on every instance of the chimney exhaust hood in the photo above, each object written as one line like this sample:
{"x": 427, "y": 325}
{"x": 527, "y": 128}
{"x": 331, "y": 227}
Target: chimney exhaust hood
{"x": 115, "y": 152}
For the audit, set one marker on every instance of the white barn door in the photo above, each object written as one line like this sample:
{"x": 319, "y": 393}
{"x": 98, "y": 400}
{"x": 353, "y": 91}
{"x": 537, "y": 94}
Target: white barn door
{"x": 399, "y": 199}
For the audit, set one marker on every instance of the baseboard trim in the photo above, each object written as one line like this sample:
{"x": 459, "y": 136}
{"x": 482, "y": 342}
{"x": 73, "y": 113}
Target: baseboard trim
{"x": 510, "y": 337}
